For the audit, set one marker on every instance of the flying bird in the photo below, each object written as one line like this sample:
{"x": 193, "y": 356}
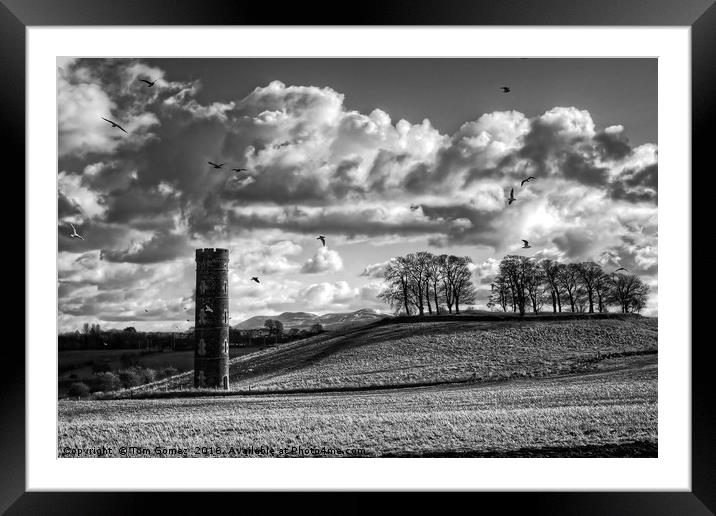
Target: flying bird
{"x": 255, "y": 279}
{"x": 74, "y": 233}
{"x": 215, "y": 165}
{"x": 208, "y": 309}
{"x": 414, "y": 207}
{"x": 239, "y": 170}
{"x": 512, "y": 197}
{"x": 622, "y": 269}
{"x": 527, "y": 180}
{"x": 322, "y": 239}
{"x": 146, "y": 309}
{"x": 149, "y": 84}
{"x": 114, "y": 124}
{"x": 505, "y": 89}
{"x": 526, "y": 244}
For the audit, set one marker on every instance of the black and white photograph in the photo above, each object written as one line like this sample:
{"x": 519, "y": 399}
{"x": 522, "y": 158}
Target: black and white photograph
{"x": 357, "y": 257}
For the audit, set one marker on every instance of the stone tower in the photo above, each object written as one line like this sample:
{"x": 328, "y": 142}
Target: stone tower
{"x": 211, "y": 328}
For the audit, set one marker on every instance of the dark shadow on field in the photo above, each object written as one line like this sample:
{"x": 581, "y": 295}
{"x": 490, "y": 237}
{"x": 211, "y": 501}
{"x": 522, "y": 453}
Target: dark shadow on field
{"x": 626, "y": 364}
{"x": 636, "y": 449}
{"x": 302, "y": 354}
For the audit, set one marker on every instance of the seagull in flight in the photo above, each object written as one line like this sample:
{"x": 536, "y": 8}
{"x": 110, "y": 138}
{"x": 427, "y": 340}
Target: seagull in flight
{"x": 414, "y": 207}
{"x": 322, "y": 239}
{"x": 146, "y": 310}
{"x": 215, "y": 165}
{"x": 505, "y": 89}
{"x": 149, "y": 84}
{"x": 526, "y": 244}
{"x": 208, "y": 309}
{"x": 239, "y": 170}
{"x": 622, "y": 269}
{"x": 512, "y": 197}
{"x": 114, "y": 124}
{"x": 527, "y": 180}
{"x": 74, "y": 233}
{"x": 255, "y": 279}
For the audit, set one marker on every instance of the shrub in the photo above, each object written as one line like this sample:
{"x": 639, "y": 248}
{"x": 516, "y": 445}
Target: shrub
{"x": 168, "y": 371}
{"x": 78, "y": 390}
{"x": 107, "y": 382}
{"x": 130, "y": 378}
{"x": 147, "y": 375}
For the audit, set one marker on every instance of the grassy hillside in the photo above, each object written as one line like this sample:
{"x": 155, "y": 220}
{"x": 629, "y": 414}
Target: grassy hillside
{"x": 438, "y": 351}
{"x": 611, "y": 411}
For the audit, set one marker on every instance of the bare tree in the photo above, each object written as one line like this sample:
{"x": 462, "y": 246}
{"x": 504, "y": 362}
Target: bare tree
{"x": 417, "y": 270}
{"x": 462, "y": 287}
{"x": 393, "y": 297}
{"x": 629, "y": 292}
{"x": 581, "y": 300}
{"x": 434, "y": 279}
{"x": 397, "y": 276}
{"x": 446, "y": 278}
{"x": 535, "y": 284}
{"x": 589, "y": 273}
{"x": 602, "y": 288}
{"x": 500, "y": 293}
{"x": 550, "y": 269}
{"x": 569, "y": 279}
{"x": 515, "y": 269}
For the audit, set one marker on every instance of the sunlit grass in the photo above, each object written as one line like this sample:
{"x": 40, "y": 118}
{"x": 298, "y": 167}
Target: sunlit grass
{"x": 613, "y": 407}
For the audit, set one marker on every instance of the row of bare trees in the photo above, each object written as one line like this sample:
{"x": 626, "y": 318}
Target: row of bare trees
{"x": 423, "y": 280}
{"x": 525, "y": 284}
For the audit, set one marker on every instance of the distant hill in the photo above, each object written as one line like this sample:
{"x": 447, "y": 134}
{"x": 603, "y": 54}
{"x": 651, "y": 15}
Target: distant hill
{"x": 306, "y": 319}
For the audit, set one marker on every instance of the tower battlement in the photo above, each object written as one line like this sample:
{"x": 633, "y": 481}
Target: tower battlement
{"x": 210, "y": 258}
{"x": 212, "y": 251}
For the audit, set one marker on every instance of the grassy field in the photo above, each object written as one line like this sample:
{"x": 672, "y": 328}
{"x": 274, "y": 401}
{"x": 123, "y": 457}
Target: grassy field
{"x": 532, "y": 387}
{"x": 610, "y": 411}
{"x": 385, "y": 355}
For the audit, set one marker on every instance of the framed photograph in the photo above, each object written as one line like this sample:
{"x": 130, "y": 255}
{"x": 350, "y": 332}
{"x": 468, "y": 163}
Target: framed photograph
{"x": 425, "y": 251}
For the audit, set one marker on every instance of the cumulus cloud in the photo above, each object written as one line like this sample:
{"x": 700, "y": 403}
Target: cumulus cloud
{"x": 160, "y": 248}
{"x": 375, "y": 270}
{"x": 268, "y": 259}
{"x": 329, "y": 295}
{"x": 324, "y": 260}
{"x": 75, "y": 197}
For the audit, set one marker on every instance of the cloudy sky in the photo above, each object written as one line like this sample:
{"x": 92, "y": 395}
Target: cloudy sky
{"x": 383, "y": 156}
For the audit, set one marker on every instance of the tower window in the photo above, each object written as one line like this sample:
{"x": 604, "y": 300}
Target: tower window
{"x": 226, "y": 316}
{"x": 226, "y": 346}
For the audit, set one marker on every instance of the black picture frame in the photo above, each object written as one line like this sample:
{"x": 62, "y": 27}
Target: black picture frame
{"x": 16, "y": 15}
